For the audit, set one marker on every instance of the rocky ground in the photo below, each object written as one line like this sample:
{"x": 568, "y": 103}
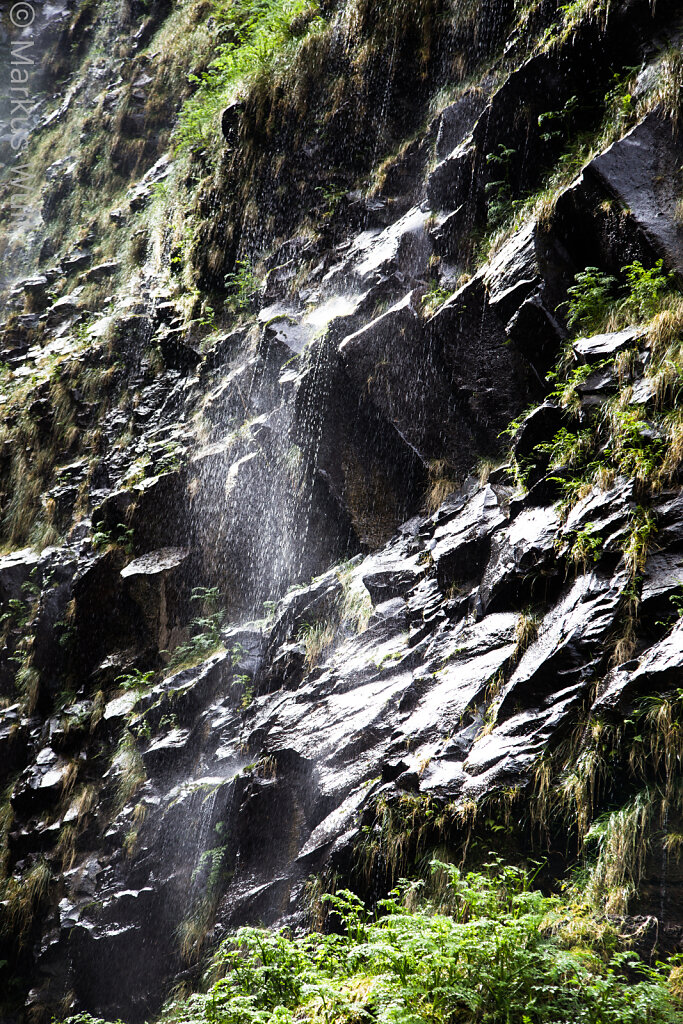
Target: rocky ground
{"x": 293, "y": 609}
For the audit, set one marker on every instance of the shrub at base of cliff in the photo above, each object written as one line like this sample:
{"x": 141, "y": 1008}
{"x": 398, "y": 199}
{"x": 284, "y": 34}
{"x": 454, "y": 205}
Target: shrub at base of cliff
{"x": 491, "y": 949}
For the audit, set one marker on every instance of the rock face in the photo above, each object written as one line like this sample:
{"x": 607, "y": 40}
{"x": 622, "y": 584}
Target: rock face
{"x": 280, "y": 598}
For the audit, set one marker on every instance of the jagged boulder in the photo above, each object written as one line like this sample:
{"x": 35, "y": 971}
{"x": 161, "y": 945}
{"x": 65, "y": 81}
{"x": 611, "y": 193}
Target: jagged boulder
{"x": 159, "y": 586}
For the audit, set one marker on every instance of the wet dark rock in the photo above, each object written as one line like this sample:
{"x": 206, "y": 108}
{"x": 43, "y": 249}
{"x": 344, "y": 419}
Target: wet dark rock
{"x": 475, "y": 372}
{"x": 661, "y": 665}
{"x": 117, "y": 711}
{"x": 505, "y": 757}
{"x": 50, "y": 625}
{"x": 16, "y": 570}
{"x": 287, "y": 666}
{"x": 460, "y": 546}
{"x": 36, "y": 291}
{"x": 669, "y": 509}
{"x": 402, "y": 178}
{"x": 640, "y": 171}
{"x": 374, "y": 359}
{"x": 160, "y": 516}
{"x": 513, "y": 273}
{"x": 101, "y": 271}
{"x": 604, "y": 514}
{"x": 185, "y": 693}
{"x": 63, "y": 309}
{"x": 246, "y": 644}
{"x": 40, "y": 785}
{"x": 102, "y": 619}
{"x": 76, "y": 261}
{"x": 393, "y": 571}
{"x": 458, "y": 119}
{"x": 655, "y": 671}
{"x": 564, "y": 657}
{"x": 450, "y": 233}
{"x": 13, "y": 741}
{"x": 449, "y": 183}
{"x": 606, "y": 346}
{"x": 521, "y": 553}
{"x": 168, "y": 752}
{"x": 662, "y": 581}
{"x": 540, "y": 425}
{"x": 157, "y": 583}
{"x": 536, "y": 331}
{"x": 176, "y": 349}
{"x": 304, "y": 606}
{"x": 230, "y": 121}
{"x": 225, "y": 348}
{"x": 595, "y": 390}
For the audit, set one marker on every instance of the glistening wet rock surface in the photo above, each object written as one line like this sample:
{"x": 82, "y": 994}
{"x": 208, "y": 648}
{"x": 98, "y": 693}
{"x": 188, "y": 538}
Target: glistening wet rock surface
{"x": 286, "y": 578}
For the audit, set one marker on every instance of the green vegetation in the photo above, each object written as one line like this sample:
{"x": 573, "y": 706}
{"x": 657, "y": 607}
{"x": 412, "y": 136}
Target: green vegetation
{"x": 317, "y": 638}
{"x": 254, "y": 36}
{"x": 23, "y": 896}
{"x": 643, "y": 814}
{"x": 242, "y": 286}
{"x": 615, "y": 113}
{"x": 135, "y": 680}
{"x": 131, "y": 770}
{"x": 210, "y": 875}
{"x": 590, "y": 300}
{"x": 488, "y": 948}
{"x": 586, "y": 547}
{"x": 348, "y": 613}
{"x": 442, "y": 482}
{"x": 595, "y": 302}
{"x": 526, "y": 632}
{"x": 435, "y": 297}
{"x": 574, "y": 13}
{"x": 205, "y": 638}
{"x": 246, "y": 690}
{"x": 642, "y": 441}
{"x": 499, "y": 192}
{"x": 557, "y": 123}
{"x": 121, "y": 536}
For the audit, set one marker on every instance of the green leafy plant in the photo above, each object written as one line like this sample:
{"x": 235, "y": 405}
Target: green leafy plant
{"x": 596, "y": 301}
{"x": 205, "y": 636}
{"x": 556, "y": 124}
{"x": 169, "y": 458}
{"x": 499, "y": 191}
{"x": 646, "y": 289}
{"x": 243, "y": 285}
{"x": 435, "y": 297}
{"x": 247, "y": 690}
{"x": 121, "y": 536}
{"x": 317, "y": 638}
{"x": 135, "y": 679}
{"x": 590, "y": 300}
{"x": 586, "y": 547}
{"x": 17, "y": 615}
{"x": 331, "y": 196}
{"x": 641, "y": 529}
{"x": 566, "y": 391}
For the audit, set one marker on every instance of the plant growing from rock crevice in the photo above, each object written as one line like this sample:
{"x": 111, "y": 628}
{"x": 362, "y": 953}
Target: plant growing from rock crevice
{"x": 205, "y": 631}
